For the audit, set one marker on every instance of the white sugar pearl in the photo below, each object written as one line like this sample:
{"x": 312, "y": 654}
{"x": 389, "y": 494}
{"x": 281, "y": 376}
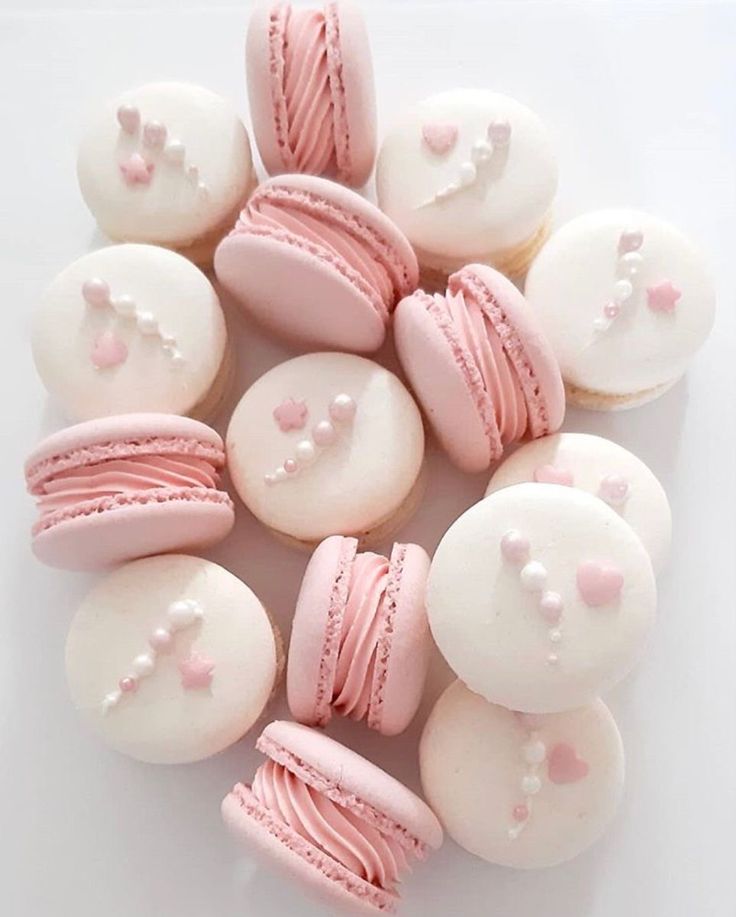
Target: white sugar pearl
{"x": 124, "y": 305}
{"x": 110, "y": 700}
{"x": 305, "y": 451}
{"x": 555, "y": 635}
{"x": 622, "y": 291}
{"x": 168, "y": 340}
{"x": 202, "y": 188}
{"x": 534, "y": 752}
{"x": 482, "y": 151}
{"x": 177, "y": 359}
{"x": 280, "y": 474}
{"x": 631, "y": 262}
{"x": 553, "y": 659}
{"x": 468, "y": 174}
{"x": 147, "y": 323}
{"x": 533, "y": 576}
{"x": 143, "y": 665}
{"x": 531, "y": 785}
{"x": 269, "y": 479}
{"x": 175, "y": 151}
{"x": 183, "y": 613}
{"x": 601, "y": 324}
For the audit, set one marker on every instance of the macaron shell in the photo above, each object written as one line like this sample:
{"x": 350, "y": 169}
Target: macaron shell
{"x": 340, "y": 889}
{"x": 440, "y": 385}
{"x": 114, "y": 536}
{"x": 258, "y": 74}
{"x": 356, "y": 782}
{"x": 408, "y": 642}
{"x": 321, "y": 599}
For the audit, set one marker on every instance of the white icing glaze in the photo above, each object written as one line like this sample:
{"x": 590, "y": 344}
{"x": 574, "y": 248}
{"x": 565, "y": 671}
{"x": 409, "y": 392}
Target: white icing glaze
{"x": 500, "y": 208}
{"x": 364, "y": 475}
{"x": 475, "y": 773}
{"x": 182, "y": 303}
{"x": 572, "y": 280}
{"x": 590, "y": 460}
{"x": 491, "y": 630}
{"x": 162, "y": 722}
{"x": 201, "y": 171}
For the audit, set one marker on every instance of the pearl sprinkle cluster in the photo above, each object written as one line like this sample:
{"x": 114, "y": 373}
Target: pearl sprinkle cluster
{"x": 154, "y": 137}
{"x": 533, "y": 577}
{"x": 179, "y": 616}
{"x": 341, "y": 413}
{"x": 496, "y": 139}
{"x": 97, "y": 294}
{"x": 533, "y": 754}
{"x": 627, "y": 267}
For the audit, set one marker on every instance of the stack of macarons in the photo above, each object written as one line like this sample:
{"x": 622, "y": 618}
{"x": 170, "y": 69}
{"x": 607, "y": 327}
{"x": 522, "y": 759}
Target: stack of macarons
{"x": 540, "y": 597}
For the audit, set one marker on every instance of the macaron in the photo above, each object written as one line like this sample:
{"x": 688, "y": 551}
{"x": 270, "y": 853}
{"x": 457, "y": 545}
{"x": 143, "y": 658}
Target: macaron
{"x": 132, "y": 328}
{"x": 327, "y": 444}
{"x": 114, "y": 489}
{"x": 516, "y": 789}
{"x": 311, "y": 92}
{"x": 469, "y": 175}
{"x": 602, "y": 468}
{"x": 541, "y": 597}
{"x": 316, "y": 263}
{"x": 171, "y": 659}
{"x": 360, "y": 640}
{"x": 166, "y": 163}
{"x": 626, "y": 301}
{"x": 480, "y": 366}
{"x": 333, "y": 821}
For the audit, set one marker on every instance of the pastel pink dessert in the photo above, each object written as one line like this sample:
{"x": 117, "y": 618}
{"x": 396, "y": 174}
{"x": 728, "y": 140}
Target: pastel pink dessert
{"x": 480, "y": 366}
{"x": 311, "y": 90}
{"x": 318, "y": 263}
{"x": 360, "y": 639}
{"x": 331, "y": 819}
{"x": 118, "y": 488}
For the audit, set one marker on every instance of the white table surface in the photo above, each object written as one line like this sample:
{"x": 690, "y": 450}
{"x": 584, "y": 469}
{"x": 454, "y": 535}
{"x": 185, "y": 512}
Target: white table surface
{"x": 640, "y": 97}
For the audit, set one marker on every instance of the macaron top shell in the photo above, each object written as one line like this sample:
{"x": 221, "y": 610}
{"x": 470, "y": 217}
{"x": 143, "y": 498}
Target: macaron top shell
{"x": 625, "y": 299}
{"x": 602, "y": 468}
{"x": 449, "y": 201}
{"x": 129, "y": 328}
{"x": 519, "y": 790}
{"x": 352, "y": 432}
{"x": 170, "y": 659}
{"x": 311, "y": 90}
{"x": 165, "y": 163}
{"x": 540, "y": 597}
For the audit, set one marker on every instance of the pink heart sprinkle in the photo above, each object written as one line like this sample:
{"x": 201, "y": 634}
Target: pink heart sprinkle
{"x": 564, "y": 765}
{"x": 108, "y": 351}
{"x": 549, "y": 474}
{"x": 440, "y": 138}
{"x": 599, "y": 584}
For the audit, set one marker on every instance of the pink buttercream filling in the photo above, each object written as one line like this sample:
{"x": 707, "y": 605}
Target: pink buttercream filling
{"x": 333, "y": 828}
{"x": 67, "y": 489}
{"x": 354, "y": 683}
{"x": 479, "y": 338}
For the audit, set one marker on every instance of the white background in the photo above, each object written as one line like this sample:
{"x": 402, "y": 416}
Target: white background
{"x": 641, "y": 100}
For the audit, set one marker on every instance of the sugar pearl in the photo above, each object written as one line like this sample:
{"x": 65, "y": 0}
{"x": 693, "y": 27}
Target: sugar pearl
{"x": 482, "y": 151}
{"x": 467, "y": 174}
{"x": 128, "y": 685}
{"x": 290, "y": 466}
{"x": 269, "y": 479}
{"x": 515, "y": 546}
{"x": 520, "y": 813}
{"x": 533, "y": 576}
{"x": 111, "y": 700}
{"x": 534, "y": 752}
{"x": 550, "y": 607}
{"x": 611, "y": 310}
{"x": 601, "y": 324}
{"x": 161, "y": 640}
{"x": 143, "y": 665}
{"x": 305, "y": 451}
{"x": 530, "y": 785}
{"x": 342, "y": 408}
{"x": 555, "y": 635}
{"x": 147, "y": 323}
{"x": 183, "y": 613}
{"x": 324, "y": 433}
{"x": 96, "y": 292}
{"x": 631, "y": 262}
{"x": 154, "y": 134}
{"x": 280, "y": 474}
{"x": 622, "y": 291}
{"x": 175, "y": 151}
{"x": 124, "y": 305}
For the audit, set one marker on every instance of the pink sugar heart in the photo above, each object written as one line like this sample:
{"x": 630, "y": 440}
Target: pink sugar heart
{"x": 108, "y": 351}
{"x": 440, "y": 138}
{"x": 599, "y": 584}
{"x": 549, "y": 474}
{"x": 564, "y": 765}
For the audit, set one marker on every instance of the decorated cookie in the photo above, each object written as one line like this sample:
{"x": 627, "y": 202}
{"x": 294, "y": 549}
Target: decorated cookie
{"x": 317, "y": 263}
{"x": 339, "y": 825}
{"x": 469, "y": 175}
{"x": 114, "y": 489}
{"x": 359, "y": 640}
{"x": 327, "y": 443}
{"x": 479, "y": 365}
{"x": 131, "y": 328}
{"x": 626, "y": 300}
{"x": 171, "y": 659}
{"x": 311, "y": 92}
{"x": 519, "y": 789}
{"x": 167, "y": 163}
{"x": 540, "y": 597}
{"x": 604, "y": 469}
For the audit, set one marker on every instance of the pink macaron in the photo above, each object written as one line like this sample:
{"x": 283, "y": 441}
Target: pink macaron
{"x": 311, "y": 90}
{"x": 360, "y": 640}
{"x": 317, "y": 263}
{"x": 329, "y": 818}
{"x": 480, "y": 366}
{"x": 118, "y": 488}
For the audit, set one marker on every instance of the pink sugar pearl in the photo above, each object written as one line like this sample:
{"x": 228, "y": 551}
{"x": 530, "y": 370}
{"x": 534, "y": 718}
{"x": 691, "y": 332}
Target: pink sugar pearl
{"x": 515, "y": 546}
{"x": 521, "y": 813}
{"x": 161, "y": 640}
{"x": 343, "y": 408}
{"x": 324, "y": 433}
{"x": 128, "y": 685}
